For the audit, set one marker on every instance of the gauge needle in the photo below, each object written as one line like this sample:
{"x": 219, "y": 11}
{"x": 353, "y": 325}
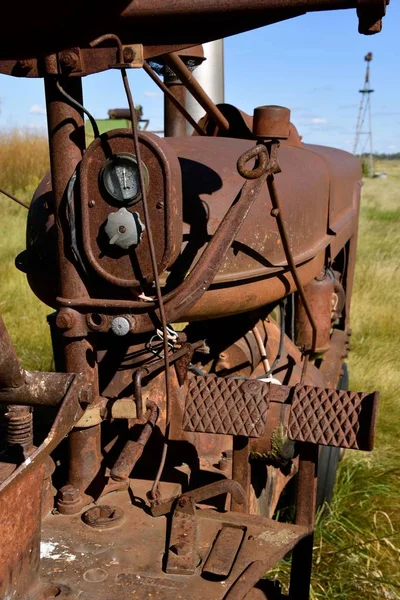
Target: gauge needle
{"x": 124, "y": 176}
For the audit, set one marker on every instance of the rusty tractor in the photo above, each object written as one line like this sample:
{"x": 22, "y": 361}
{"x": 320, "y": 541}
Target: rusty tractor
{"x": 201, "y": 286}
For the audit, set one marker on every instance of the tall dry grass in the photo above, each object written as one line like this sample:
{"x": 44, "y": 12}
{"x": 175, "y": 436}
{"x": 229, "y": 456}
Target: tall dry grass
{"x": 24, "y": 160}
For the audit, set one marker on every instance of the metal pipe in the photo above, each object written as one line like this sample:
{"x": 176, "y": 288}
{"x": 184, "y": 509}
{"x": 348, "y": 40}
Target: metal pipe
{"x": 11, "y": 373}
{"x": 66, "y": 144}
{"x": 133, "y": 450}
{"x": 174, "y": 100}
{"x": 182, "y": 72}
{"x": 210, "y": 75}
{"x": 241, "y": 469}
{"x": 300, "y": 574}
{"x": 174, "y": 120}
{"x": 38, "y": 388}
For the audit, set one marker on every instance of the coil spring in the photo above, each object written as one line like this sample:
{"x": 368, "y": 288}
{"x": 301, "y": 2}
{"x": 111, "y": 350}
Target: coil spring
{"x": 19, "y": 426}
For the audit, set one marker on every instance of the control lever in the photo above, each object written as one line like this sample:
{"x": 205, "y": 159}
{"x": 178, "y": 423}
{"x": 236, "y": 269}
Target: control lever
{"x": 217, "y": 488}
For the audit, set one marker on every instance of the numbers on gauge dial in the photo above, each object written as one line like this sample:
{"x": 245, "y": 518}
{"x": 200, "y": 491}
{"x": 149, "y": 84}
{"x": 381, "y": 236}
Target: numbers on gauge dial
{"x": 120, "y": 177}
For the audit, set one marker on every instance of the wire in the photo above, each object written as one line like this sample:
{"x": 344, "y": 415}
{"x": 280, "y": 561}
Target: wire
{"x": 153, "y": 258}
{"x": 14, "y": 198}
{"x": 261, "y": 347}
{"x": 72, "y": 100}
{"x": 282, "y": 312}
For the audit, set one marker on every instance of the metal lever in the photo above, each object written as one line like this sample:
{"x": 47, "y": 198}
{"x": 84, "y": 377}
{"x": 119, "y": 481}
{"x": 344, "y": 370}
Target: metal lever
{"x": 217, "y": 488}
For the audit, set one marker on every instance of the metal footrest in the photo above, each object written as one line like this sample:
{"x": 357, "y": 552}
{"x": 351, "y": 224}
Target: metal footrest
{"x": 333, "y": 417}
{"x": 329, "y": 417}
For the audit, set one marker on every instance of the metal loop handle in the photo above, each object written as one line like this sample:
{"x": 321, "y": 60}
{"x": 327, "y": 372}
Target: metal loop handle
{"x": 259, "y": 152}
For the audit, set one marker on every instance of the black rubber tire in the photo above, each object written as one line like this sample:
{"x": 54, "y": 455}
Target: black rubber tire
{"x": 329, "y": 458}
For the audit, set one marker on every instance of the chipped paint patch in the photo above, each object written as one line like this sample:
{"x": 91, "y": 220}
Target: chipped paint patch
{"x": 55, "y": 551}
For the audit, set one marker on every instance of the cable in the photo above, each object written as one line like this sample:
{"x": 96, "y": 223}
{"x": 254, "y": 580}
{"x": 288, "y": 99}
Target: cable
{"x": 282, "y": 312}
{"x": 81, "y": 107}
{"x": 14, "y": 198}
{"x": 153, "y": 257}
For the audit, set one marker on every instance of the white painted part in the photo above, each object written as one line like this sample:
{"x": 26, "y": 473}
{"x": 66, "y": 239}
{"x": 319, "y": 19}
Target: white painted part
{"x": 55, "y": 551}
{"x": 270, "y": 379}
{"x": 210, "y": 75}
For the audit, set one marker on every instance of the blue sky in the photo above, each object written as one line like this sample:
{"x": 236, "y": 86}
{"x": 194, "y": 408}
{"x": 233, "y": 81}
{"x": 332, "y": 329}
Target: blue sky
{"x": 313, "y": 65}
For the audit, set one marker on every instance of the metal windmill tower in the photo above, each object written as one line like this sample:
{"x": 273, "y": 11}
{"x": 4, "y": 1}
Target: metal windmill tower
{"x": 363, "y": 144}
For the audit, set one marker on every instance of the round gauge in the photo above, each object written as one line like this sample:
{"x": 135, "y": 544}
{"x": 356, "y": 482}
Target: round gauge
{"x": 120, "y": 177}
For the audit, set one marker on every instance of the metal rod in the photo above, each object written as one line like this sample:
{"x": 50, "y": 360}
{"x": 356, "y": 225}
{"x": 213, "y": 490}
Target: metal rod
{"x": 14, "y": 198}
{"x": 38, "y": 388}
{"x": 182, "y": 72}
{"x": 277, "y": 212}
{"x": 133, "y": 449}
{"x": 300, "y": 575}
{"x": 66, "y": 145}
{"x": 174, "y": 119}
{"x": 174, "y": 100}
{"x": 11, "y": 373}
{"x": 241, "y": 469}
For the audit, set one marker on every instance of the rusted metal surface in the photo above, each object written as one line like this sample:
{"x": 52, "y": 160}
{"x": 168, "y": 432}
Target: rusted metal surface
{"x": 319, "y": 294}
{"x": 177, "y": 65}
{"x": 223, "y": 405}
{"x": 137, "y": 567}
{"x": 103, "y": 516}
{"x": 199, "y": 495}
{"x": 173, "y": 99}
{"x": 226, "y": 406}
{"x": 20, "y": 428}
{"x": 133, "y": 450}
{"x": 333, "y": 417}
{"x": 240, "y": 470}
{"x": 182, "y": 556}
{"x": 157, "y": 25}
{"x": 20, "y": 533}
{"x": 300, "y": 574}
{"x": 221, "y": 559}
{"x": 271, "y": 122}
{"x": 11, "y": 373}
{"x": 38, "y": 388}
{"x": 174, "y": 120}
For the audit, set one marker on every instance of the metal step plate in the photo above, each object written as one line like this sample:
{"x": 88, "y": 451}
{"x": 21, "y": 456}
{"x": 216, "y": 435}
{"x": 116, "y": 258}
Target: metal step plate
{"x": 329, "y": 417}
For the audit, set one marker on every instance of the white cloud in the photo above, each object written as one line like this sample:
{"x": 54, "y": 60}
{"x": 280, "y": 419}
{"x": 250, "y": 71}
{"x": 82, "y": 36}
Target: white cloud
{"x": 36, "y": 109}
{"x": 318, "y": 121}
{"x": 148, "y": 94}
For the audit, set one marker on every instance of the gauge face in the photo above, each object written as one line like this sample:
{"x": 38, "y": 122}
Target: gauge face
{"x": 120, "y": 177}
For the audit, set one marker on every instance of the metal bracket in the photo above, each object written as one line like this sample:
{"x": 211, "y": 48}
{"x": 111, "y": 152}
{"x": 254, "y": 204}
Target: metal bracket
{"x": 182, "y": 553}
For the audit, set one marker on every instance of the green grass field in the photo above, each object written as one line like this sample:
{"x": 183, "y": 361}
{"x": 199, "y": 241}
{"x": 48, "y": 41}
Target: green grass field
{"x": 357, "y": 543}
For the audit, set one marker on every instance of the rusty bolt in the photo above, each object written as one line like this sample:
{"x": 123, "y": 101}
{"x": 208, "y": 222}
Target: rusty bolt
{"x": 180, "y": 549}
{"x": 85, "y": 395}
{"x": 160, "y": 205}
{"x": 129, "y": 54}
{"x": 66, "y": 318}
{"x": 69, "y": 60}
{"x": 26, "y": 65}
{"x": 223, "y": 464}
{"x": 183, "y": 501}
{"x": 122, "y": 228}
{"x": 68, "y": 493}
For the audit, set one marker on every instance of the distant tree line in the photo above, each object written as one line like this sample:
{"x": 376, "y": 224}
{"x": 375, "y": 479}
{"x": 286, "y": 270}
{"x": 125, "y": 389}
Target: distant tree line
{"x": 382, "y": 156}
